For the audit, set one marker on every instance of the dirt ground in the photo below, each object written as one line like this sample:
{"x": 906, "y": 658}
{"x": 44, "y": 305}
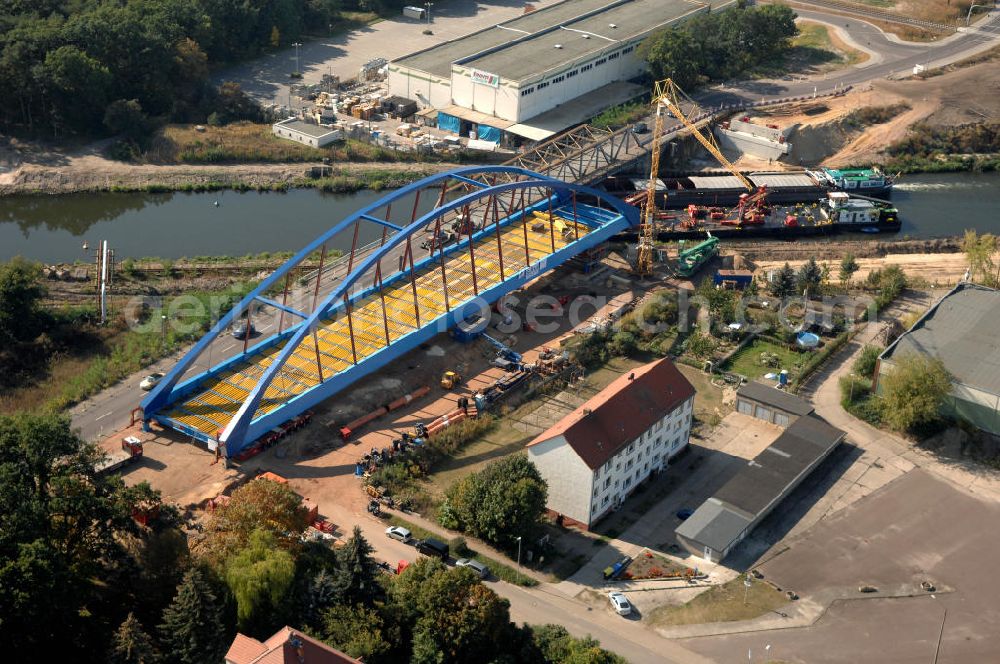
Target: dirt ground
{"x": 936, "y": 269}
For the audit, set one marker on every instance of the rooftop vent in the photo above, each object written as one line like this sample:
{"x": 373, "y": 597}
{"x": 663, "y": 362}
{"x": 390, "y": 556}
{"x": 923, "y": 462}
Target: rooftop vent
{"x": 612, "y": 25}
{"x": 586, "y": 36}
{"x": 587, "y": 411}
{"x": 558, "y": 45}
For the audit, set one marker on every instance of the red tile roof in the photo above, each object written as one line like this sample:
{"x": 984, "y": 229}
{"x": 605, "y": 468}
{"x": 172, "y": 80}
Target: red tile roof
{"x": 287, "y": 646}
{"x": 621, "y": 412}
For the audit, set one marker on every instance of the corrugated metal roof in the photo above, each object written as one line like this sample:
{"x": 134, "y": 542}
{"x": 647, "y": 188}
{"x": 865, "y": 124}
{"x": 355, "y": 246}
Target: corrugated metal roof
{"x": 780, "y": 180}
{"x": 772, "y": 396}
{"x": 963, "y": 329}
{"x": 716, "y": 182}
{"x": 714, "y": 524}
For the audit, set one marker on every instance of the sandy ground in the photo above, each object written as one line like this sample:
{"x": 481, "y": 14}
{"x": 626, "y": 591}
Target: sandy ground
{"x": 936, "y": 269}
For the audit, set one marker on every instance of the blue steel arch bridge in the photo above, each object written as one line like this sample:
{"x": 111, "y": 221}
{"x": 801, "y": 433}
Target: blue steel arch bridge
{"x": 437, "y": 251}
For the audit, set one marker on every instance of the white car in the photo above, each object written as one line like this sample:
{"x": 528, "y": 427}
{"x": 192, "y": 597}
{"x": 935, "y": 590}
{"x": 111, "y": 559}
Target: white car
{"x": 620, "y": 604}
{"x": 150, "y": 381}
{"x": 398, "y": 533}
{"x": 482, "y": 570}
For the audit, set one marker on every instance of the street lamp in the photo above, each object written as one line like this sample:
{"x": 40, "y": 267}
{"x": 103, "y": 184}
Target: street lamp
{"x": 968, "y": 17}
{"x": 431, "y": 4}
{"x": 163, "y": 331}
{"x": 852, "y": 376}
{"x": 518, "y": 558}
{"x": 296, "y": 45}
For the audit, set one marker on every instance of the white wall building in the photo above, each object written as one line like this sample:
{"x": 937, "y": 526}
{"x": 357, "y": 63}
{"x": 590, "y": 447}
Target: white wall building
{"x": 598, "y": 454}
{"x": 539, "y": 73}
{"x": 306, "y": 133}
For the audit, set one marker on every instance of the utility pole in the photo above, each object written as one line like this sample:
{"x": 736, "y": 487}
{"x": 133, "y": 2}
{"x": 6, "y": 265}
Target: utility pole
{"x": 519, "y": 558}
{"x": 296, "y": 45}
{"x": 431, "y": 4}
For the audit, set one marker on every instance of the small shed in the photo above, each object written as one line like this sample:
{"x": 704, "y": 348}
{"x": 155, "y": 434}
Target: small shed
{"x": 399, "y": 107}
{"x": 770, "y": 404}
{"x": 738, "y": 279}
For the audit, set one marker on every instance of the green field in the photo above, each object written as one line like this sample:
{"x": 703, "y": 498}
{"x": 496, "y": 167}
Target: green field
{"x": 723, "y": 603}
{"x": 747, "y": 361}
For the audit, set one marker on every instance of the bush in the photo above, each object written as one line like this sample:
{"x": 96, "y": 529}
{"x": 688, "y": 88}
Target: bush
{"x": 864, "y": 364}
{"x": 914, "y": 391}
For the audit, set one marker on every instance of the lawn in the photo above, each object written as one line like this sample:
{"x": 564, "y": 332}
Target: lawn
{"x": 708, "y": 398}
{"x": 499, "y": 569}
{"x": 723, "y": 603}
{"x": 817, "y": 48}
{"x": 747, "y": 361}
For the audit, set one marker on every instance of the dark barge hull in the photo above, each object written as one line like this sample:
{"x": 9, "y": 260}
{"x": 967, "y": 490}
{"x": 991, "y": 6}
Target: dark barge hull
{"x": 767, "y": 232}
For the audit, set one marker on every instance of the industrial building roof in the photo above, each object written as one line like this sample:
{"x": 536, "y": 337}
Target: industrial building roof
{"x": 621, "y": 412}
{"x": 765, "y": 481}
{"x": 961, "y": 329}
{"x": 524, "y": 47}
{"x": 772, "y": 396}
{"x": 780, "y": 180}
{"x": 716, "y": 182}
{"x": 307, "y": 128}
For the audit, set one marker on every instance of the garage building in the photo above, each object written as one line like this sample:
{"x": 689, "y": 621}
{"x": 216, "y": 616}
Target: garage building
{"x": 537, "y": 74}
{"x": 306, "y": 133}
{"x": 961, "y": 329}
{"x": 770, "y": 404}
{"x": 725, "y": 519}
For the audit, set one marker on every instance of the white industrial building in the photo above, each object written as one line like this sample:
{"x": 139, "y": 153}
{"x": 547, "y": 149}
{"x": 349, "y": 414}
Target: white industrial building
{"x": 537, "y": 74}
{"x": 597, "y": 455}
{"x": 314, "y": 135}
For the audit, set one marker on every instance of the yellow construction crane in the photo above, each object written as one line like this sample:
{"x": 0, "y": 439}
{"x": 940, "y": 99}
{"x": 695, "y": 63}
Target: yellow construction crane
{"x": 666, "y": 95}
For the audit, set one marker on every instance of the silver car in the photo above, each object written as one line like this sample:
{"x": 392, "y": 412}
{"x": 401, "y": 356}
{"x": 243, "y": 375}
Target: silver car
{"x": 620, "y": 604}
{"x": 482, "y": 570}
{"x": 398, "y": 533}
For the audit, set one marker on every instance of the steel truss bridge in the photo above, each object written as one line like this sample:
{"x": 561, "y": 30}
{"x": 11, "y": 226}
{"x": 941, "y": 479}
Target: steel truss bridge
{"x": 392, "y": 275}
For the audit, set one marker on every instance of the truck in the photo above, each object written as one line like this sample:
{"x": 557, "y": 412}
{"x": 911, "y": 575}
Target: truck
{"x": 418, "y": 13}
{"x": 131, "y": 451}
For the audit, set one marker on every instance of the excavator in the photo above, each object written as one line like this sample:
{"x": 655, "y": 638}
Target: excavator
{"x": 667, "y": 97}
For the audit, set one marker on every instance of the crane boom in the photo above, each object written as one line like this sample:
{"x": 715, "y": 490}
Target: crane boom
{"x": 667, "y": 93}
{"x": 647, "y": 231}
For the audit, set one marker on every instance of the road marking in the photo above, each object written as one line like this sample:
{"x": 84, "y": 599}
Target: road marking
{"x": 99, "y": 417}
{"x": 228, "y": 347}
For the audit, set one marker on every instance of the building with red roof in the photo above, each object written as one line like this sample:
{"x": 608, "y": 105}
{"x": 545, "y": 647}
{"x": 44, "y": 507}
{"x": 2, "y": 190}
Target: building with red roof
{"x": 287, "y": 646}
{"x": 597, "y": 455}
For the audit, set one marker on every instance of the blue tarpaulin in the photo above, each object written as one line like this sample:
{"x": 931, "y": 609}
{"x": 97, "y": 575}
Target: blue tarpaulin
{"x": 449, "y": 122}
{"x": 487, "y": 133}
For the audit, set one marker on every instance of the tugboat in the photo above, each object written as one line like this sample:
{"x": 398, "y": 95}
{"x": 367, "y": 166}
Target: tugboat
{"x": 870, "y": 181}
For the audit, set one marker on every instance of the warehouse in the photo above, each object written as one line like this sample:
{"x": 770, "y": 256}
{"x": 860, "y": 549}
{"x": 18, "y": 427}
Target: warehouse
{"x": 306, "y": 133}
{"x": 961, "y": 330}
{"x": 770, "y": 404}
{"x": 541, "y": 72}
{"x": 725, "y": 519}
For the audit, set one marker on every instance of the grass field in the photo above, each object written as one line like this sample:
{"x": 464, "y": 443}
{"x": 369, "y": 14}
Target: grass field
{"x": 708, "y": 398}
{"x": 816, "y": 47}
{"x": 723, "y": 603}
{"x": 500, "y": 570}
{"x": 247, "y": 142}
{"x": 747, "y": 361}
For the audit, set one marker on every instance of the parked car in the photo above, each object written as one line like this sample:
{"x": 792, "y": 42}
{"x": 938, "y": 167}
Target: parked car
{"x": 434, "y": 548}
{"x": 684, "y": 513}
{"x": 243, "y": 330}
{"x": 640, "y": 128}
{"x": 482, "y": 570}
{"x": 398, "y": 533}
{"x": 620, "y": 604}
{"x": 150, "y": 381}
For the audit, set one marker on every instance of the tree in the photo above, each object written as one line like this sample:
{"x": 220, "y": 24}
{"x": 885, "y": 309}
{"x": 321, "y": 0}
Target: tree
{"x": 275, "y": 37}
{"x": 195, "y": 628}
{"x": 450, "y": 614}
{"x": 357, "y": 570}
{"x": 359, "y": 631}
{"x": 558, "y": 646}
{"x": 501, "y": 502}
{"x": 675, "y": 53}
{"x": 77, "y": 86}
{"x": 21, "y": 291}
{"x": 848, "y": 266}
{"x": 809, "y": 277}
{"x": 783, "y": 284}
{"x": 260, "y": 576}
{"x": 125, "y": 117}
{"x": 864, "y": 364}
{"x": 979, "y": 251}
{"x": 132, "y": 645}
{"x": 913, "y": 391}
{"x": 258, "y": 504}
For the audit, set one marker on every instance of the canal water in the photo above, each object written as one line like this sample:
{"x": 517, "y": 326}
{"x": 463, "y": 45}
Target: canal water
{"x": 53, "y": 228}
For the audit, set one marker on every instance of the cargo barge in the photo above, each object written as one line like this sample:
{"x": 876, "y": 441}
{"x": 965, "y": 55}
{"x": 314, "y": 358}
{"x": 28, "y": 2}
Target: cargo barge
{"x": 835, "y": 213}
{"x": 724, "y": 189}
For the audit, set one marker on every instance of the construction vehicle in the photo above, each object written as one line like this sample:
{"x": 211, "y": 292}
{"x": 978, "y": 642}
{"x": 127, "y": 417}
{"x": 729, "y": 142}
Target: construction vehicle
{"x": 450, "y": 380}
{"x": 667, "y": 97}
{"x": 131, "y": 452}
{"x": 689, "y": 260}
{"x": 504, "y": 351}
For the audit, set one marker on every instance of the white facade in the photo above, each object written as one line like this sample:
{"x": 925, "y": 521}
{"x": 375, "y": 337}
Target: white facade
{"x": 586, "y": 495}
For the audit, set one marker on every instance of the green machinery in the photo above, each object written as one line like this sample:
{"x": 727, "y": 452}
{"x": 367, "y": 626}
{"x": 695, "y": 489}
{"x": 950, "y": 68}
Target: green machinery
{"x": 689, "y": 260}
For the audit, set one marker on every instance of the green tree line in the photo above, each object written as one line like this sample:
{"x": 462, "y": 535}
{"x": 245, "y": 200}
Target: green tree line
{"x": 95, "y": 66}
{"x": 720, "y": 46}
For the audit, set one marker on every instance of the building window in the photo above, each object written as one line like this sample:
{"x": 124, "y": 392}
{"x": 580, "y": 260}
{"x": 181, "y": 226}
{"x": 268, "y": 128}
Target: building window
{"x": 645, "y": 466}
{"x": 571, "y": 74}
{"x": 628, "y": 465}
{"x": 600, "y": 62}
{"x": 527, "y": 91}
{"x": 628, "y": 480}
{"x": 612, "y": 56}
{"x": 675, "y": 443}
{"x": 597, "y": 490}
{"x": 558, "y": 79}
{"x": 607, "y": 483}
{"x": 656, "y": 458}
{"x": 605, "y": 501}
{"x": 628, "y": 50}
{"x": 544, "y": 84}
{"x": 587, "y": 67}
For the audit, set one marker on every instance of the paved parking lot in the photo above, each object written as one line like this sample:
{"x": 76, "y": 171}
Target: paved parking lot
{"x": 266, "y": 78}
{"x": 916, "y": 528}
